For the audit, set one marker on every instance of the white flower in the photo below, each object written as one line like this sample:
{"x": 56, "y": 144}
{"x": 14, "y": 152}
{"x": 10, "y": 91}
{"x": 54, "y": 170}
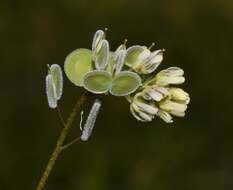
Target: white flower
{"x": 144, "y": 61}
{"x": 54, "y": 85}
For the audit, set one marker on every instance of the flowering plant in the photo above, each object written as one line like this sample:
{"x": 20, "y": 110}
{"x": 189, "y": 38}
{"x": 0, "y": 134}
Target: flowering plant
{"x": 125, "y": 72}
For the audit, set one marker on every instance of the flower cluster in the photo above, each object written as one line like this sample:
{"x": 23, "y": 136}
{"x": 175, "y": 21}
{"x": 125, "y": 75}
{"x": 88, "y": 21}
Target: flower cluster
{"x": 160, "y": 98}
{"x": 126, "y": 72}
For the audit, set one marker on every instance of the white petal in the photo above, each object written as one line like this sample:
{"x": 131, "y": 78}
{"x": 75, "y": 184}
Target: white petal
{"x": 140, "y": 116}
{"x": 156, "y": 56}
{"x": 169, "y": 106}
{"x": 165, "y": 116}
{"x": 146, "y": 108}
{"x": 144, "y": 55}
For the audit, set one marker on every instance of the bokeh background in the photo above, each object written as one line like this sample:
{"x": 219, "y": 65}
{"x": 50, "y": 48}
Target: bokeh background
{"x": 193, "y": 153}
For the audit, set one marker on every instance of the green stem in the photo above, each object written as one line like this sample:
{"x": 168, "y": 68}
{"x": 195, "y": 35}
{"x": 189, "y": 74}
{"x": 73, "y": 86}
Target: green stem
{"x": 57, "y": 150}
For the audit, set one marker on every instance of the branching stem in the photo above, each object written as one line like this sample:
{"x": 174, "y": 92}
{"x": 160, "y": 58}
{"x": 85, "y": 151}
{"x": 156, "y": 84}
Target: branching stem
{"x": 57, "y": 150}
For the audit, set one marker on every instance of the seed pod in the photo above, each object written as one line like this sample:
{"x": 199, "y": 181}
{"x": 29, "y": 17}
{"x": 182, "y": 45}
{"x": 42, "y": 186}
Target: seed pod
{"x": 57, "y": 76}
{"x": 125, "y": 83}
{"x": 119, "y": 61}
{"x": 77, "y": 64}
{"x": 101, "y": 57}
{"x": 90, "y": 123}
{"x": 98, "y": 37}
{"x": 50, "y": 92}
{"x": 97, "y": 82}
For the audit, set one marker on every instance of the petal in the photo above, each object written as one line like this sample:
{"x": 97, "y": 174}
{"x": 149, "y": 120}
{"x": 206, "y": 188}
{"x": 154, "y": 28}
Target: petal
{"x": 50, "y": 92}
{"x": 125, "y": 83}
{"x": 150, "y": 109}
{"x": 77, "y": 64}
{"x": 174, "y": 71}
{"x": 140, "y": 116}
{"x": 165, "y": 116}
{"x": 171, "y": 106}
{"x": 144, "y": 55}
{"x": 97, "y": 82}
{"x": 156, "y": 56}
{"x": 56, "y": 73}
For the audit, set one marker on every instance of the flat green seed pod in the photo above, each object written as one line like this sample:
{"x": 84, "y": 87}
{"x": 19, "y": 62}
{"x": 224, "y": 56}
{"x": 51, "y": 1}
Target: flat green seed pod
{"x": 132, "y": 54}
{"x": 97, "y": 82}
{"x": 56, "y": 73}
{"x": 125, "y": 83}
{"x": 77, "y": 64}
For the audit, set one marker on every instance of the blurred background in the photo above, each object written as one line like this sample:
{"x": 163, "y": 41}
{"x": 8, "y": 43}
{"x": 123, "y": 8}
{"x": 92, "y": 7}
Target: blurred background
{"x": 193, "y": 153}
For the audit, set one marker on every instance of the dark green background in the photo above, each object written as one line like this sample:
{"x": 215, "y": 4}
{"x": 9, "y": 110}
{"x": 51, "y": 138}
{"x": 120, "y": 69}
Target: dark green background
{"x": 193, "y": 153}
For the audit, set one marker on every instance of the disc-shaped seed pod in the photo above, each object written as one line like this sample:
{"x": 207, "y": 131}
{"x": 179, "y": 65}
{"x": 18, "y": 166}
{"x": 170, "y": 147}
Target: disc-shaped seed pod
{"x": 77, "y": 64}
{"x": 125, "y": 83}
{"x": 97, "y": 82}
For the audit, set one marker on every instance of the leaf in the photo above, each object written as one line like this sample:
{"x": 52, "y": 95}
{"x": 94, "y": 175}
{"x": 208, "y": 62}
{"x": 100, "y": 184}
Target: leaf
{"x": 77, "y": 64}
{"x": 97, "y": 82}
{"x": 57, "y": 76}
{"x": 125, "y": 83}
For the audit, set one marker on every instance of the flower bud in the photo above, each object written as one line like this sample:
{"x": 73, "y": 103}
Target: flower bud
{"x": 179, "y": 95}
{"x": 143, "y": 110}
{"x": 165, "y": 116}
{"x": 154, "y": 93}
{"x": 172, "y": 107}
{"x": 172, "y": 75}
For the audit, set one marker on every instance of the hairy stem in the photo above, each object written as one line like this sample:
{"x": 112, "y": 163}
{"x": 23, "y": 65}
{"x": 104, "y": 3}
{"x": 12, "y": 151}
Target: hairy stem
{"x": 57, "y": 150}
